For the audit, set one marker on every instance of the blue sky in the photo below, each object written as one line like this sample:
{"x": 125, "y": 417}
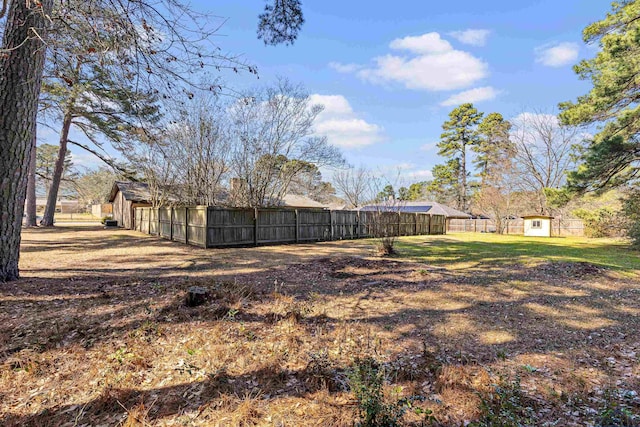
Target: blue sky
{"x": 388, "y": 73}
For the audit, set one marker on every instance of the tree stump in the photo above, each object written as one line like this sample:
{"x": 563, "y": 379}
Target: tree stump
{"x": 196, "y": 296}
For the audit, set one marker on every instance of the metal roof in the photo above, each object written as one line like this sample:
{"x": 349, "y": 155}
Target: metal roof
{"x": 433, "y": 208}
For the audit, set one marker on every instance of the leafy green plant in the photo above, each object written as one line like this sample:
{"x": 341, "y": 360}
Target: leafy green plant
{"x": 616, "y": 413}
{"x": 504, "y": 406}
{"x": 602, "y": 222}
{"x": 631, "y": 211}
{"x": 366, "y": 380}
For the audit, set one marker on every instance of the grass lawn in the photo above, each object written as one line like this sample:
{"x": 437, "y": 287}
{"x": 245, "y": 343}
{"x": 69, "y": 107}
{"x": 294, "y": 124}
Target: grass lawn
{"x": 461, "y": 250}
{"x": 468, "y": 327}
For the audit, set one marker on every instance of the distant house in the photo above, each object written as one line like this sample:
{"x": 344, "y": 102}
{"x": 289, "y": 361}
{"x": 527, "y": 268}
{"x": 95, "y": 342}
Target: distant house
{"x": 62, "y": 205}
{"x": 537, "y": 225}
{"x": 298, "y": 201}
{"x": 433, "y": 208}
{"x": 125, "y": 197}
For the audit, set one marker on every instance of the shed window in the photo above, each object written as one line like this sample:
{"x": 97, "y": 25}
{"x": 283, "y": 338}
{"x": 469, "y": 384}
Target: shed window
{"x": 536, "y": 223}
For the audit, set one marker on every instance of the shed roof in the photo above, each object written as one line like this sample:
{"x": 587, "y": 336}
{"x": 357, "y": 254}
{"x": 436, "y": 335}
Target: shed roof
{"x": 132, "y": 191}
{"x": 537, "y": 216}
{"x": 433, "y": 208}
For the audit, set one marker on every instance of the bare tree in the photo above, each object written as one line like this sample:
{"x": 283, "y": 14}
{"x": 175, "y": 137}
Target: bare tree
{"x": 273, "y": 137}
{"x": 543, "y": 153}
{"x": 199, "y": 150}
{"x": 354, "y": 184}
{"x": 498, "y": 195}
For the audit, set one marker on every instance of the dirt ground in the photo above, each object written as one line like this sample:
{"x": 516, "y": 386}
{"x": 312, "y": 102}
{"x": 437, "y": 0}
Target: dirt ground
{"x": 97, "y": 333}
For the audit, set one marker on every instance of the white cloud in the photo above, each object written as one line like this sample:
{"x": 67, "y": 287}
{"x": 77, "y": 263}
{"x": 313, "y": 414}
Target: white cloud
{"x": 557, "y": 55}
{"x": 421, "y": 174}
{"x": 524, "y": 119}
{"x": 424, "y": 44}
{"x": 341, "y": 125}
{"x": 430, "y": 64}
{"x": 344, "y": 68}
{"x": 471, "y": 37}
{"x": 472, "y": 95}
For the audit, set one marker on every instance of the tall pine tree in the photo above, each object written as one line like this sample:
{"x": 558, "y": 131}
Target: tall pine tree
{"x": 461, "y": 132}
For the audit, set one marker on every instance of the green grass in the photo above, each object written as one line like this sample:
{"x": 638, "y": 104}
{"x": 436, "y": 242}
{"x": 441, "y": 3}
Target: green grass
{"x": 462, "y": 250}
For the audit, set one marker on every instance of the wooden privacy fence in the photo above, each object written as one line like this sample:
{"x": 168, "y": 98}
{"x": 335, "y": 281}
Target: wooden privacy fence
{"x": 218, "y": 227}
{"x": 559, "y": 227}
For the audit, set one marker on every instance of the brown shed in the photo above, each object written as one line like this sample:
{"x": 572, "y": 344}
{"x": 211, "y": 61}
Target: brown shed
{"x": 126, "y": 196}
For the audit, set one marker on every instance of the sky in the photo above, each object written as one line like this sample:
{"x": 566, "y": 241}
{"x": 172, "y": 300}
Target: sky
{"x": 388, "y": 73}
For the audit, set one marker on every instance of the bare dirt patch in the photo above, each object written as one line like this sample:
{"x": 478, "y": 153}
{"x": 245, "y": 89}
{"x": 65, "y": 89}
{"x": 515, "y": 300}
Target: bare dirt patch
{"x": 97, "y": 332}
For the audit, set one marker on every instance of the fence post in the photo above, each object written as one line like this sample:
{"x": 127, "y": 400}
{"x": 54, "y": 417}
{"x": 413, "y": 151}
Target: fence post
{"x": 332, "y": 225}
{"x": 255, "y": 226}
{"x": 206, "y": 227}
{"x": 171, "y": 223}
{"x": 297, "y": 226}
{"x": 415, "y": 229}
{"x": 485, "y": 225}
{"x": 186, "y": 225}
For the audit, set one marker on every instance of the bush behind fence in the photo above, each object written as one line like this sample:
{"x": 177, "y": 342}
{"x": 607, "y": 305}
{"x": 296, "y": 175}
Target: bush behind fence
{"x": 220, "y": 227}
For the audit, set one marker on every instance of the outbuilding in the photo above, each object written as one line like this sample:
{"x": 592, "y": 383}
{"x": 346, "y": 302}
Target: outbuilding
{"x": 537, "y": 225}
{"x": 125, "y": 197}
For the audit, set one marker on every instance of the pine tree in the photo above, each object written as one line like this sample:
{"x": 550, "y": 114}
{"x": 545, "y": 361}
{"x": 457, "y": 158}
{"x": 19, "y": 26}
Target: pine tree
{"x": 613, "y": 156}
{"x": 494, "y": 143}
{"x": 460, "y": 132}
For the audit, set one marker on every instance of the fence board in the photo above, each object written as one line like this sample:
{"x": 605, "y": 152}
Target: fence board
{"x": 179, "y": 225}
{"x": 197, "y": 226}
{"x": 313, "y": 225}
{"x": 276, "y": 226}
{"x": 164, "y": 222}
{"x": 229, "y": 227}
{"x": 345, "y": 224}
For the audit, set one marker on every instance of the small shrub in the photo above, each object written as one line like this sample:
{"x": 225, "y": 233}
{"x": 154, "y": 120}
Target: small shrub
{"x": 602, "y": 222}
{"x": 366, "y": 380}
{"x": 504, "y": 406}
{"x": 616, "y": 413}
{"x": 631, "y": 212}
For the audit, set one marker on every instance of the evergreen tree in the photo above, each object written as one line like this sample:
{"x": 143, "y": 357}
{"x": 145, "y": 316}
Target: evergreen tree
{"x": 460, "y": 132}
{"x": 446, "y": 182}
{"x": 494, "y": 143}
{"x": 613, "y": 156}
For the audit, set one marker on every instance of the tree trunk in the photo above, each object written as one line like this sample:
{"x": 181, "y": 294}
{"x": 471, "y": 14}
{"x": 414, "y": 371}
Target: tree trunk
{"x": 463, "y": 181}
{"x": 21, "y": 63}
{"x": 52, "y": 197}
{"x": 31, "y": 186}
